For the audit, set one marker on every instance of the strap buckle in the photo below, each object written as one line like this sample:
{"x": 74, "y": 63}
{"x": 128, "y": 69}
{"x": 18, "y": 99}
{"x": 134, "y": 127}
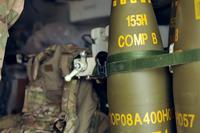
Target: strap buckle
{"x": 101, "y": 60}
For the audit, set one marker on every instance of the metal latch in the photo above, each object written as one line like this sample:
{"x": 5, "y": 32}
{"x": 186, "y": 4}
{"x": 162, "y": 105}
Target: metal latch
{"x": 80, "y": 65}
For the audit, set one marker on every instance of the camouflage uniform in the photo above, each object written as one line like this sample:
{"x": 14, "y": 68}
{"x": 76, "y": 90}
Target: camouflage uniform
{"x": 9, "y": 13}
{"x": 49, "y": 100}
{"x": 50, "y": 103}
{"x": 53, "y": 105}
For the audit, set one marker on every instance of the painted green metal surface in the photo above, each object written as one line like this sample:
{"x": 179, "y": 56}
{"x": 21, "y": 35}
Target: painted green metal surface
{"x": 186, "y": 77}
{"x": 141, "y": 101}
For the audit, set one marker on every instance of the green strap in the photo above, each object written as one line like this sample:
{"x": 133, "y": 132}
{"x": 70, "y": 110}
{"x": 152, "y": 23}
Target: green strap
{"x": 152, "y": 61}
{"x": 133, "y": 55}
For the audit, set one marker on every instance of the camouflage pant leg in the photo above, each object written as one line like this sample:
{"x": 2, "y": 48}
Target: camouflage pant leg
{"x": 72, "y": 123}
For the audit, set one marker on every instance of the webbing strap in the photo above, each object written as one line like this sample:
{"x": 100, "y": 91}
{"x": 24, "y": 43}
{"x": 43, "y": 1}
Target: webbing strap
{"x": 152, "y": 61}
{"x": 133, "y": 55}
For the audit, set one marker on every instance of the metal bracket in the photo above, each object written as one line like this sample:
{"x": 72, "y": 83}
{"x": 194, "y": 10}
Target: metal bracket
{"x": 85, "y": 66}
{"x": 80, "y": 65}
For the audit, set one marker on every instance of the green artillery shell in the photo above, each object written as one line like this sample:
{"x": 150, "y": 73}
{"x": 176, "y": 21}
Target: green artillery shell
{"x": 186, "y": 77}
{"x": 140, "y": 101}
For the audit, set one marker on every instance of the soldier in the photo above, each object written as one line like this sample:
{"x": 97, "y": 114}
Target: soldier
{"x": 10, "y": 11}
{"x": 53, "y": 105}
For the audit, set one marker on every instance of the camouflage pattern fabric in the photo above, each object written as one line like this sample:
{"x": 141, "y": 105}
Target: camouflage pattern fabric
{"x": 53, "y": 105}
{"x": 69, "y": 105}
{"x": 50, "y": 103}
{"x": 9, "y": 13}
{"x": 56, "y": 95}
